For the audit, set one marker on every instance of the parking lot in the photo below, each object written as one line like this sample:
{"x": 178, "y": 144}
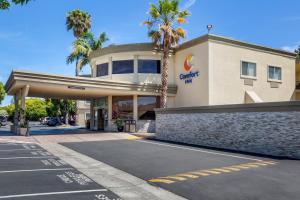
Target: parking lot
{"x": 198, "y": 173}
{"x": 29, "y": 172}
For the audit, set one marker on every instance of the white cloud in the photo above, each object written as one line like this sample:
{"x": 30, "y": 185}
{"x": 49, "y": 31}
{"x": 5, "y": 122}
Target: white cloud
{"x": 292, "y": 47}
{"x": 189, "y": 4}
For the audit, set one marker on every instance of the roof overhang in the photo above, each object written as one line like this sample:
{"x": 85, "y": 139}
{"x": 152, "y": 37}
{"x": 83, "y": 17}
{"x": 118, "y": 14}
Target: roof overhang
{"x": 79, "y": 88}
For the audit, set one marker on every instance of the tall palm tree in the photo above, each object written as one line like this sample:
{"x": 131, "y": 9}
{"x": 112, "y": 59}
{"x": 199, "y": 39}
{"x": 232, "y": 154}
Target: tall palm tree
{"x": 165, "y": 31}
{"x": 79, "y": 22}
{"x": 297, "y": 51}
{"x": 83, "y": 47}
{"x": 5, "y": 4}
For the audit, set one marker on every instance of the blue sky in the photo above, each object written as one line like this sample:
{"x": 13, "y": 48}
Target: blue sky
{"x": 34, "y": 37}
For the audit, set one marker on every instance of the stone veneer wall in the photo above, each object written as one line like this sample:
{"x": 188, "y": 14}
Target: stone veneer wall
{"x": 266, "y": 128}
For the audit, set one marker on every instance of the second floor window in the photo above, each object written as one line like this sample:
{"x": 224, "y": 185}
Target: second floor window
{"x": 102, "y": 70}
{"x": 122, "y": 67}
{"x": 274, "y": 73}
{"x": 149, "y": 66}
{"x": 248, "y": 69}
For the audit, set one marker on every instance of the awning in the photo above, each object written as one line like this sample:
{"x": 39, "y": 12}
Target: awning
{"x": 78, "y": 88}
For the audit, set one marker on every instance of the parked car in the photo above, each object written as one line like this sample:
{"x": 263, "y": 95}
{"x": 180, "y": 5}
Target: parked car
{"x": 53, "y": 121}
{"x": 44, "y": 120}
{"x": 3, "y": 121}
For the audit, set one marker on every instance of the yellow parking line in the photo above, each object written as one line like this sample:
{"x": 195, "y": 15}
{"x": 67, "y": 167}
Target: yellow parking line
{"x": 132, "y": 137}
{"x": 175, "y": 177}
{"x": 200, "y": 173}
{"x": 158, "y": 180}
{"x": 213, "y": 171}
{"x": 222, "y": 170}
{"x": 232, "y": 168}
{"x": 188, "y": 175}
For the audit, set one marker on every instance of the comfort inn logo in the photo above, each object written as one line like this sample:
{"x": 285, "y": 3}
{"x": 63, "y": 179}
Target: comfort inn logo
{"x": 188, "y": 67}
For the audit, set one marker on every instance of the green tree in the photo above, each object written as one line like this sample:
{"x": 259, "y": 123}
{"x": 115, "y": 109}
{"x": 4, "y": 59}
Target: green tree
{"x": 82, "y": 48}
{"x": 164, "y": 28}
{"x": 60, "y": 107}
{"x": 5, "y": 4}
{"x": 35, "y": 109}
{"x": 2, "y": 92}
{"x": 297, "y": 51}
{"x": 80, "y": 23}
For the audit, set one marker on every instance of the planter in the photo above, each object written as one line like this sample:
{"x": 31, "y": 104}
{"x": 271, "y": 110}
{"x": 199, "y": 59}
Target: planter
{"x": 22, "y": 131}
{"x": 120, "y": 128}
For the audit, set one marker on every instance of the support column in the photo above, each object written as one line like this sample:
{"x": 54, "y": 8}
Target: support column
{"x": 92, "y": 114}
{"x": 24, "y": 93}
{"x": 110, "y": 67}
{"x": 135, "y": 69}
{"x": 16, "y": 115}
{"x": 109, "y": 112}
{"x": 135, "y": 107}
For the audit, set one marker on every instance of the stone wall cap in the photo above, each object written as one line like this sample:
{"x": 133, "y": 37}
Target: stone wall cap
{"x": 256, "y": 107}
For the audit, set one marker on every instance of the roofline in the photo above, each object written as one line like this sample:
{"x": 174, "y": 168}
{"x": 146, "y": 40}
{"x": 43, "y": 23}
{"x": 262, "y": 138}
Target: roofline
{"x": 26, "y": 75}
{"x": 122, "y": 48}
{"x": 210, "y": 37}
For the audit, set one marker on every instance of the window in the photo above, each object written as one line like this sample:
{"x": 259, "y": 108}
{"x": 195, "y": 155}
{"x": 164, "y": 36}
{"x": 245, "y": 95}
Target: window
{"x": 274, "y": 73}
{"x": 122, "y": 107}
{"x": 146, "y": 105}
{"x": 87, "y": 116}
{"x": 102, "y": 69}
{"x": 122, "y": 67}
{"x": 248, "y": 69}
{"x": 149, "y": 66}
{"x": 87, "y": 103}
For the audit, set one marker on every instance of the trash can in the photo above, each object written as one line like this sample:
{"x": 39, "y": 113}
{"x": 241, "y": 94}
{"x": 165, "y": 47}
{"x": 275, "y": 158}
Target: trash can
{"x": 130, "y": 126}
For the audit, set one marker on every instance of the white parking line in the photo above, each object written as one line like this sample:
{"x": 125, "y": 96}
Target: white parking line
{"x": 52, "y": 193}
{"x": 198, "y": 150}
{"x": 7, "y": 150}
{"x": 35, "y": 170}
{"x": 12, "y": 158}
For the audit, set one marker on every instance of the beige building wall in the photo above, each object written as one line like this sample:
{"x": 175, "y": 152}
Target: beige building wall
{"x": 133, "y": 77}
{"x": 228, "y": 87}
{"x": 196, "y": 93}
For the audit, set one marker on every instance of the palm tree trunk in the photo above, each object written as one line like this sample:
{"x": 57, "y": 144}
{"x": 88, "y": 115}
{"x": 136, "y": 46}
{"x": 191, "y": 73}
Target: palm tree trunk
{"x": 164, "y": 75}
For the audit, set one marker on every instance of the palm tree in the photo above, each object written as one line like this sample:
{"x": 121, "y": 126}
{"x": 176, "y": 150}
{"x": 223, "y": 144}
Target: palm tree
{"x": 79, "y": 22}
{"x": 83, "y": 47}
{"x": 165, "y": 31}
{"x": 5, "y": 4}
{"x": 297, "y": 51}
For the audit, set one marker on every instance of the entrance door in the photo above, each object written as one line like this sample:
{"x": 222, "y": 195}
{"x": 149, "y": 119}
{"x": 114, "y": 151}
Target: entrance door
{"x": 100, "y": 120}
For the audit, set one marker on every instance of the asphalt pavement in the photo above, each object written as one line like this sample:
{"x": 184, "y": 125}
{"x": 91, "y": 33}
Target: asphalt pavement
{"x": 29, "y": 172}
{"x": 198, "y": 173}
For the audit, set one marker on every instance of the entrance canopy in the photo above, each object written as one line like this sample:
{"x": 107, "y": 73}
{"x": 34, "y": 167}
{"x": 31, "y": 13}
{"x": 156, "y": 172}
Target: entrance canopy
{"x": 77, "y": 88}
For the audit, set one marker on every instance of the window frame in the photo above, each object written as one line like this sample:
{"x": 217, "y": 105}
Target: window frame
{"x": 131, "y": 98}
{"x": 106, "y": 63}
{"x": 271, "y": 79}
{"x": 247, "y": 76}
{"x": 112, "y": 67}
{"x": 85, "y": 118}
{"x": 156, "y": 60}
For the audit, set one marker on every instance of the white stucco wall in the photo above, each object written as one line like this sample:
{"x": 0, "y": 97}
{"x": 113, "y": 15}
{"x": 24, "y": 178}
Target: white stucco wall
{"x": 226, "y": 84}
{"x": 196, "y": 93}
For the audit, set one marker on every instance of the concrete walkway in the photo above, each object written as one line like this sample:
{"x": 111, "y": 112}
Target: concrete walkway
{"x": 121, "y": 183}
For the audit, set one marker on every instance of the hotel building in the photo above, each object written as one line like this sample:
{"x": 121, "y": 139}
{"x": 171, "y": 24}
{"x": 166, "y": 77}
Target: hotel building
{"x": 209, "y": 70}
